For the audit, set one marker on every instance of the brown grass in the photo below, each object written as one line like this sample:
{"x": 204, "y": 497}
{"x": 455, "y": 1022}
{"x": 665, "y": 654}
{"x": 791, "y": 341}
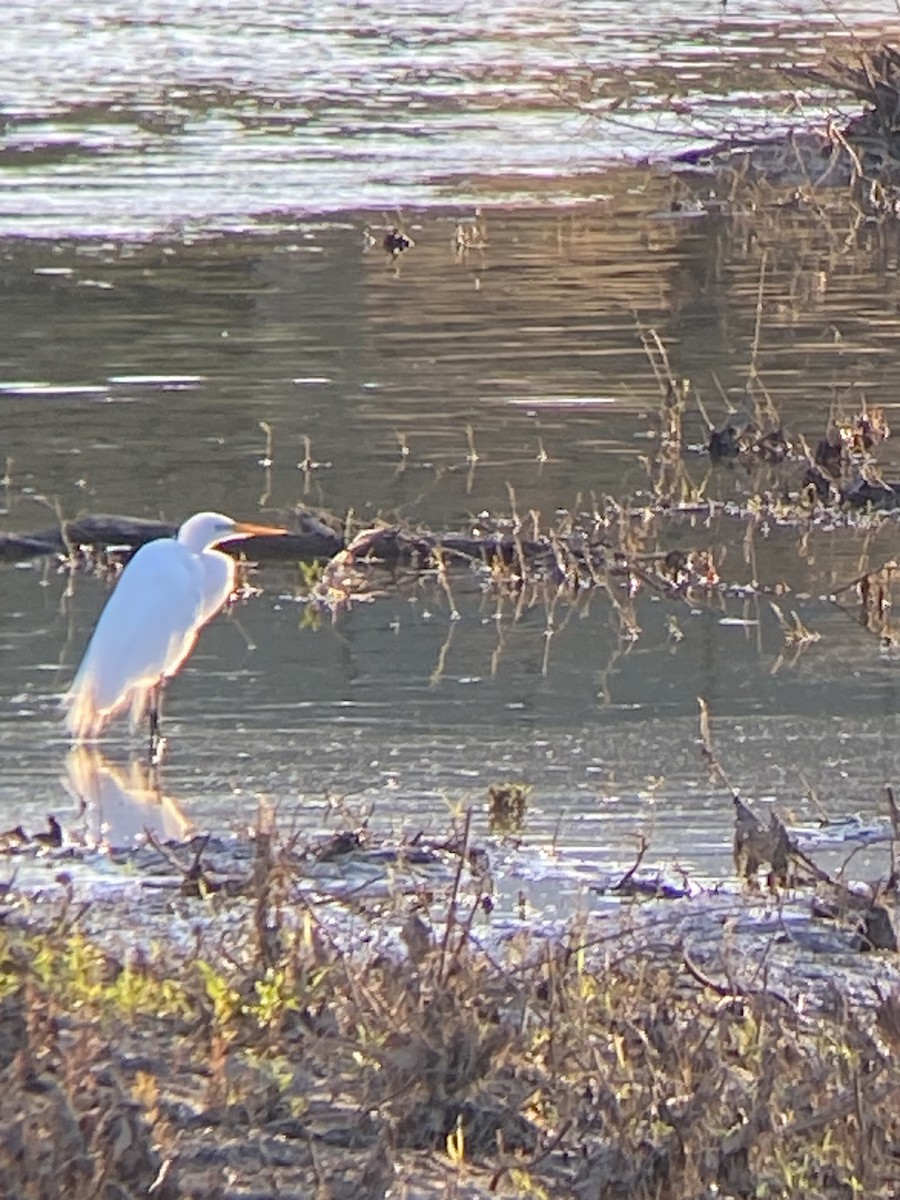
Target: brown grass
{"x": 286, "y": 1053}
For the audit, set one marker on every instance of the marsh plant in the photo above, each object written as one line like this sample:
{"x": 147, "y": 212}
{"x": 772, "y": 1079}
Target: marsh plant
{"x": 277, "y": 1053}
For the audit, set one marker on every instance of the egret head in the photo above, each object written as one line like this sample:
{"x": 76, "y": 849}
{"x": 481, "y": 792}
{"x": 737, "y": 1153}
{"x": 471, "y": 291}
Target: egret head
{"x": 204, "y": 530}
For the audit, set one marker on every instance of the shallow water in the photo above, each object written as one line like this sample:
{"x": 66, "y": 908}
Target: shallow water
{"x": 135, "y": 374}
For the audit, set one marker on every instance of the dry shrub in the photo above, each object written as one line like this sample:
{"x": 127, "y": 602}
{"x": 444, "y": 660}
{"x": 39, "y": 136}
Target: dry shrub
{"x": 416, "y": 1066}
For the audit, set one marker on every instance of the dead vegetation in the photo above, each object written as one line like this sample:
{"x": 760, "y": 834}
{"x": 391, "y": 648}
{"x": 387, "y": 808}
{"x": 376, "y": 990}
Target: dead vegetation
{"x": 857, "y": 151}
{"x": 295, "y": 1046}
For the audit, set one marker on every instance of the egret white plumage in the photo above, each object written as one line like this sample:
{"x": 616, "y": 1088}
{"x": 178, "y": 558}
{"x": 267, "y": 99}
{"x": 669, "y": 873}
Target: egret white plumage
{"x": 168, "y": 591}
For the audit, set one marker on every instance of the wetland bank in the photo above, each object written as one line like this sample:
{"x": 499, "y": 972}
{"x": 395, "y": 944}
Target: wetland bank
{"x": 435, "y": 892}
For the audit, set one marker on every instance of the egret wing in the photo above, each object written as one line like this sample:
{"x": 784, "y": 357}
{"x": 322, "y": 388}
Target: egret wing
{"x": 217, "y": 570}
{"x": 144, "y": 633}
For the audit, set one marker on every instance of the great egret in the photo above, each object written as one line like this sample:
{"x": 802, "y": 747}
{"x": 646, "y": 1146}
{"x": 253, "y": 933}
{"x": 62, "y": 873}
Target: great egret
{"x": 168, "y": 591}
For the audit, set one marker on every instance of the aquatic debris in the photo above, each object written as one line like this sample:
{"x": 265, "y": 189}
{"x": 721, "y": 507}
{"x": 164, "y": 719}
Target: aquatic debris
{"x": 53, "y": 837}
{"x": 851, "y": 438}
{"x": 469, "y": 236}
{"x": 873, "y": 607}
{"x": 340, "y": 582}
{"x": 506, "y": 807}
{"x": 12, "y": 840}
{"x": 861, "y": 910}
{"x": 396, "y": 242}
{"x": 738, "y": 437}
{"x": 636, "y": 883}
{"x": 756, "y": 845}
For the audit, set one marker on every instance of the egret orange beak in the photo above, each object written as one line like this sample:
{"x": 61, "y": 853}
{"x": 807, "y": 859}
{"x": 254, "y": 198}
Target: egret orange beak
{"x": 245, "y": 529}
{"x": 248, "y": 529}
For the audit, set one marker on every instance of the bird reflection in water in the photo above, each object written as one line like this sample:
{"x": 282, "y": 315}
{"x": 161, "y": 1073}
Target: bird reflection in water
{"x": 122, "y": 803}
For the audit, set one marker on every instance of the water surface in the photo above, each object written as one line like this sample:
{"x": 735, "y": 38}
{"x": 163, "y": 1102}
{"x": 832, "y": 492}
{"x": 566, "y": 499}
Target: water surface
{"x": 185, "y": 117}
{"x": 196, "y": 305}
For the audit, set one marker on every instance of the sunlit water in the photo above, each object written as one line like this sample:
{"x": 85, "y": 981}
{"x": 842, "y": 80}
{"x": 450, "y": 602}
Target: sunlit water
{"x": 135, "y": 374}
{"x": 174, "y": 116}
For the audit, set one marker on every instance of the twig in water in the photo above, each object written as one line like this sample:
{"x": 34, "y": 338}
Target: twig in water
{"x": 708, "y": 750}
{"x": 768, "y": 414}
{"x": 403, "y": 446}
{"x": 70, "y": 549}
{"x": 895, "y": 832}
{"x": 438, "y": 673}
{"x": 710, "y": 426}
{"x": 643, "y": 846}
{"x": 472, "y": 459}
{"x": 443, "y": 579}
{"x": 659, "y": 361}
{"x": 306, "y": 462}
{"x": 266, "y": 463}
{"x": 516, "y": 520}
{"x": 463, "y": 852}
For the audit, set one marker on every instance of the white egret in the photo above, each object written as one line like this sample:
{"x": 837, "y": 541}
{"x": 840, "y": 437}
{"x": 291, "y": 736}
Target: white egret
{"x": 168, "y": 591}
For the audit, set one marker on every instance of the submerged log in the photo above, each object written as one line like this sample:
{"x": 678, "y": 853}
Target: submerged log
{"x": 575, "y": 557}
{"x": 102, "y": 533}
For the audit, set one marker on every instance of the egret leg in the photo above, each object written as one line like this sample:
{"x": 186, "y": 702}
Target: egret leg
{"x": 154, "y": 710}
